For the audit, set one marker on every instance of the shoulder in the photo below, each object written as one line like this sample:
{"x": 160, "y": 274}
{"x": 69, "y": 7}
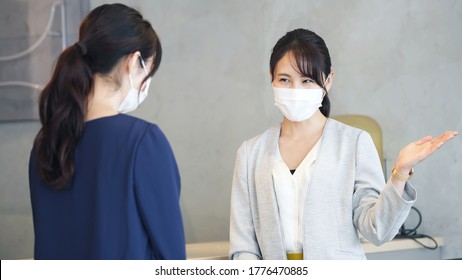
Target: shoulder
{"x": 136, "y": 132}
{"x": 344, "y": 132}
{"x": 268, "y": 135}
{"x": 346, "y": 135}
{"x": 138, "y": 128}
{"x": 263, "y": 139}
{"x": 340, "y": 128}
{"x": 134, "y": 122}
{"x": 117, "y": 125}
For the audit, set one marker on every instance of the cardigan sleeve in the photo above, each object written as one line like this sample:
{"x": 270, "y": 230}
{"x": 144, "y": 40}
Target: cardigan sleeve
{"x": 378, "y": 209}
{"x": 157, "y": 190}
{"x": 243, "y": 242}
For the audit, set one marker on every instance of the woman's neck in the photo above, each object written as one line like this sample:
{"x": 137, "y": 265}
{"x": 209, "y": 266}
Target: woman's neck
{"x": 303, "y": 129}
{"x": 103, "y": 101}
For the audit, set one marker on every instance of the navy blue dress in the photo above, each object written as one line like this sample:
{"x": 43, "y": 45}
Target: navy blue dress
{"x": 123, "y": 202}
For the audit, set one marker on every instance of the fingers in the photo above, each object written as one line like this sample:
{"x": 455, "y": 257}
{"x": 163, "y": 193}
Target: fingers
{"x": 440, "y": 140}
{"x": 444, "y": 137}
{"x": 423, "y": 140}
{"x": 419, "y": 150}
{"x": 449, "y": 134}
{"x": 428, "y": 145}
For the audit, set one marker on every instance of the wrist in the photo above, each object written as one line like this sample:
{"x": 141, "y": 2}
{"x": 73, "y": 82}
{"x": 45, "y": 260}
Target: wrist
{"x": 402, "y": 175}
{"x": 402, "y": 168}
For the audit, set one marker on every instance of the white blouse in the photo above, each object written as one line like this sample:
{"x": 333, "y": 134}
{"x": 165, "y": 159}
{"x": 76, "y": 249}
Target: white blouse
{"x": 290, "y": 194}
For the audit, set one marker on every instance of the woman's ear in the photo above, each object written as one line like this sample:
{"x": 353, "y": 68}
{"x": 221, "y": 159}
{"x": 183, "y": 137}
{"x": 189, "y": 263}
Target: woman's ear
{"x": 133, "y": 63}
{"x": 330, "y": 80}
{"x": 271, "y": 75}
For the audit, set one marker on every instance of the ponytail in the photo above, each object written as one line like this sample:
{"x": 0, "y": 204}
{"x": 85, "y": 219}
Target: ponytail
{"x": 108, "y": 33}
{"x": 325, "y": 108}
{"x": 62, "y": 109}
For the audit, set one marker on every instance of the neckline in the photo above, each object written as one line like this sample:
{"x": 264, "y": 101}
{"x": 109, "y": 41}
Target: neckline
{"x": 277, "y": 153}
{"x": 312, "y": 154}
{"x": 102, "y": 119}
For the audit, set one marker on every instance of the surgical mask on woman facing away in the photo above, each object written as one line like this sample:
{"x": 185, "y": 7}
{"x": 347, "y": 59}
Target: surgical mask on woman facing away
{"x": 135, "y": 98}
{"x": 298, "y": 104}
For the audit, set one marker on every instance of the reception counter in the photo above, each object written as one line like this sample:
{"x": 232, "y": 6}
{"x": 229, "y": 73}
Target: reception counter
{"x": 403, "y": 249}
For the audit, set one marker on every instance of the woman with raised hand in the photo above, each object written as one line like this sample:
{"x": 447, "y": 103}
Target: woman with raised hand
{"x": 304, "y": 188}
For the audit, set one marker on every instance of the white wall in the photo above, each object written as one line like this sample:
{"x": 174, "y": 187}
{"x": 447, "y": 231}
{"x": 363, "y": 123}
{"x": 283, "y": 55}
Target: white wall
{"x": 397, "y": 61}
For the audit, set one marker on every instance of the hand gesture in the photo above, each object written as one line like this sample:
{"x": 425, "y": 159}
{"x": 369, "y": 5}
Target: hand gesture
{"x": 419, "y": 150}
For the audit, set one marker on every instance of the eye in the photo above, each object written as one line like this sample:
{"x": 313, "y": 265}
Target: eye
{"x": 308, "y": 81}
{"x": 284, "y": 80}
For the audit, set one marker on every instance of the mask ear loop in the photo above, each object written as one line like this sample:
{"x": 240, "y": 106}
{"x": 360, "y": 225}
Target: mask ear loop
{"x": 143, "y": 64}
{"x": 327, "y": 79}
{"x": 146, "y": 72}
{"x": 324, "y": 87}
{"x": 130, "y": 80}
{"x": 144, "y": 68}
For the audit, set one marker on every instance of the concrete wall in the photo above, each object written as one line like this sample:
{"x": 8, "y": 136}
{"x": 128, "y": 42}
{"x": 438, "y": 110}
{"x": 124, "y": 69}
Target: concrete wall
{"x": 21, "y": 24}
{"x": 397, "y": 61}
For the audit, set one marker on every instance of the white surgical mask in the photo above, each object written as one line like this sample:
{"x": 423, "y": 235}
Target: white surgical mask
{"x": 135, "y": 98}
{"x": 298, "y": 104}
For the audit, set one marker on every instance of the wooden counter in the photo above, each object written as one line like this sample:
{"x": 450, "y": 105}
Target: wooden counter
{"x": 395, "y": 249}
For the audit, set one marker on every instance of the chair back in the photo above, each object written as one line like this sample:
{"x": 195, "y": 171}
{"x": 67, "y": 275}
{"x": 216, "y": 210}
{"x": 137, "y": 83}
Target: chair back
{"x": 368, "y": 124}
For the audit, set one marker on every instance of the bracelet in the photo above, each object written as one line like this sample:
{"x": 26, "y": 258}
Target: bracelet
{"x": 400, "y": 177}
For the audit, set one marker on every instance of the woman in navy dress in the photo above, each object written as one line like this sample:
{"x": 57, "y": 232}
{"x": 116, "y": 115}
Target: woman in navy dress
{"x": 104, "y": 185}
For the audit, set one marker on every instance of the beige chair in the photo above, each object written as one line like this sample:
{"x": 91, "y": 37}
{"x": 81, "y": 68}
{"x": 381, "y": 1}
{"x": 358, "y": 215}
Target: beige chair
{"x": 370, "y": 125}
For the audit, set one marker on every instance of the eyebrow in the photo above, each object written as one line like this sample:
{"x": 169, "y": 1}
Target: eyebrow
{"x": 289, "y": 76}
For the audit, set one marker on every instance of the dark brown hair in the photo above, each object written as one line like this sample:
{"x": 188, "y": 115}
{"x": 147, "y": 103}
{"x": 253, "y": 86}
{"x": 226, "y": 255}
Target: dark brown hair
{"x": 311, "y": 55}
{"x": 107, "y": 34}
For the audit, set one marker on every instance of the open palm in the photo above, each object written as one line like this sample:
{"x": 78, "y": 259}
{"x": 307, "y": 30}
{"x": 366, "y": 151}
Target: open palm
{"x": 415, "y": 152}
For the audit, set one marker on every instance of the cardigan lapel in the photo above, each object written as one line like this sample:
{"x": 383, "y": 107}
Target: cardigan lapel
{"x": 319, "y": 220}
{"x": 319, "y": 216}
{"x": 270, "y": 239}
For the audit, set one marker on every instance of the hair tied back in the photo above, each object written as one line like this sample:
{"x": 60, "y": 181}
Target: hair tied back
{"x": 82, "y": 47}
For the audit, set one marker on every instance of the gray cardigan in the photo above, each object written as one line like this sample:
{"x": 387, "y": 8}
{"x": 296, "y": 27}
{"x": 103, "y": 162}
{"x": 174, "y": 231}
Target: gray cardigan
{"x": 347, "y": 194}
